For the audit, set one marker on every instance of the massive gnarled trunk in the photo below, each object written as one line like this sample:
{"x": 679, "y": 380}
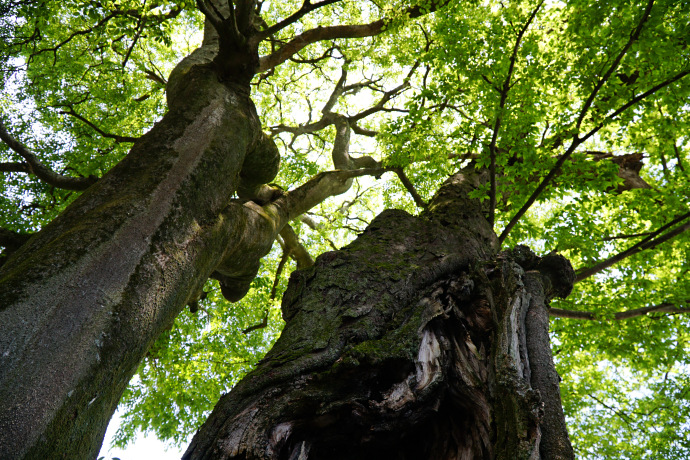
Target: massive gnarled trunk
{"x": 416, "y": 341}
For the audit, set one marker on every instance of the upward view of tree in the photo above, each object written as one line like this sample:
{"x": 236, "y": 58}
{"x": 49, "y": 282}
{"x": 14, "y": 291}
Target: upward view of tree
{"x": 428, "y": 202}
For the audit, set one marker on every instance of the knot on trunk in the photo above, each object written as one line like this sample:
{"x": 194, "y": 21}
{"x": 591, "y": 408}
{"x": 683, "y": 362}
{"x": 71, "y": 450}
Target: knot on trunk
{"x": 558, "y": 275}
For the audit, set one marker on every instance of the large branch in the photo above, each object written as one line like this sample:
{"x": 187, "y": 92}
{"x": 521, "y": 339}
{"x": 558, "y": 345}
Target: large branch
{"x": 649, "y": 242}
{"x": 593, "y": 316}
{"x": 335, "y": 32}
{"x": 295, "y": 249}
{"x": 319, "y": 188}
{"x": 40, "y": 170}
{"x": 407, "y": 183}
{"x": 15, "y": 167}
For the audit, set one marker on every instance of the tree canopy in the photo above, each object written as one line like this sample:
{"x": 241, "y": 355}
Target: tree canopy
{"x": 578, "y": 109}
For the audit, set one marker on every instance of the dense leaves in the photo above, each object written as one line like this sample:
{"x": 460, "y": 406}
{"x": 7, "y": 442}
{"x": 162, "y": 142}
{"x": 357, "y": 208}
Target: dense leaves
{"x": 597, "y": 89}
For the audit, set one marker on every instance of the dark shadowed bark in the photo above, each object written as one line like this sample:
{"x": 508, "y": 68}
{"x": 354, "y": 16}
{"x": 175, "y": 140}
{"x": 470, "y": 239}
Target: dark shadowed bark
{"x": 410, "y": 343}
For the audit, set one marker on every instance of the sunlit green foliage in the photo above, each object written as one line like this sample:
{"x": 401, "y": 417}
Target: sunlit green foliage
{"x": 470, "y": 89}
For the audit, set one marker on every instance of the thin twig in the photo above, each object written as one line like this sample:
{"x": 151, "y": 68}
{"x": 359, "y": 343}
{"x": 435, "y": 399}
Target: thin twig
{"x": 576, "y": 140}
{"x": 575, "y": 143}
{"x": 633, "y": 37}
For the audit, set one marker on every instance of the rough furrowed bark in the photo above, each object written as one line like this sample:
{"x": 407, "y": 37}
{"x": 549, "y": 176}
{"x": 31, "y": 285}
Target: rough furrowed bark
{"x": 83, "y": 299}
{"x": 407, "y": 344}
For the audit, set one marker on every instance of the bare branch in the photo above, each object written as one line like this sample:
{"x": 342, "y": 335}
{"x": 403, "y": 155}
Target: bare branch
{"x": 42, "y": 171}
{"x": 499, "y": 114}
{"x": 649, "y": 242}
{"x": 633, "y": 37}
{"x": 334, "y": 32}
{"x": 410, "y": 188}
{"x": 295, "y": 249}
{"x": 307, "y": 7}
{"x": 116, "y": 137}
{"x": 593, "y": 316}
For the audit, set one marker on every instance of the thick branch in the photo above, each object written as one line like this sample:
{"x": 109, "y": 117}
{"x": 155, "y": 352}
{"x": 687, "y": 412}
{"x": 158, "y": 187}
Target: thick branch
{"x": 334, "y": 32}
{"x": 41, "y": 171}
{"x": 15, "y": 167}
{"x": 227, "y": 28}
{"x": 648, "y": 243}
{"x": 337, "y": 91}
{"x": 341, "y": 144}
{"x": 363, "y": 131}
{"x": 593, "y": 316}
{"x": 295, "y": 249}
{"x": 320, "y": 187}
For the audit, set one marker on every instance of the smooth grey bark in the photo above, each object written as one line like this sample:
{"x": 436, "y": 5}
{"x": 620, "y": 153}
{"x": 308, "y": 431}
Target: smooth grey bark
{"x": 410, "y": 343}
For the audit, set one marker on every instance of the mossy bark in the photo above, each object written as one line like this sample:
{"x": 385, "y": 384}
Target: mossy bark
{"x": 410, "y": 343}
{"x": 81, "y": 301}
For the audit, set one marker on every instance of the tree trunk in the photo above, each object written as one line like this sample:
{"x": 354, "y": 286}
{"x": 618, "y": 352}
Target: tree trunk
{"x": 416, "y": 341}
{"x": 83, "y": 300}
